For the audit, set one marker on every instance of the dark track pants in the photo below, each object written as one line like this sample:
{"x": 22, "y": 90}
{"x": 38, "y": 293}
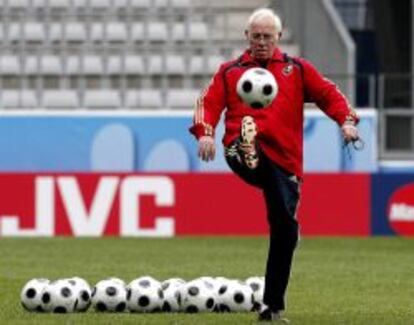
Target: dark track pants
{"x": 281, "y": 194}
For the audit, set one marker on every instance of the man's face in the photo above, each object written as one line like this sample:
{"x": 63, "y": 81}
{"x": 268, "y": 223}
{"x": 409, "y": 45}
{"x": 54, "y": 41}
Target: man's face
{"x": 263, "y": 38}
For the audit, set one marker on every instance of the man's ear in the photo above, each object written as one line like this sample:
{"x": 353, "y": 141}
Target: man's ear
{"x": 246, "y": 33}
{"x": 280, "y": 36}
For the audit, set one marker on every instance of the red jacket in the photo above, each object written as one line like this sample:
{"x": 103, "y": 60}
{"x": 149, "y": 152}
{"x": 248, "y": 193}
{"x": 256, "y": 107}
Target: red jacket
{"x": 280, "y": 125}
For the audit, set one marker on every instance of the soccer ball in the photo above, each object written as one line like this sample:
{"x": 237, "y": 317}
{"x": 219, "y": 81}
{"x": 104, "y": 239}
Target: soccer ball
{"x": 83, "y": 293}
{"x": 59, "y": 297}
{"x": 109, "y": 295}
{"x": 235, "y": 296}
{"x": 145, "y": 295}
{"x": 196, "y": 297}
{"x": 172, "y": 298}
{"x": 257, "y": 285}
{"x": 257, "y": 87}
{"x": 30, "y": 296}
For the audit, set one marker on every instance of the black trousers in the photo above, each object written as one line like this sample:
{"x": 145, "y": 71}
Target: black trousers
{"x": 281, "y": 195}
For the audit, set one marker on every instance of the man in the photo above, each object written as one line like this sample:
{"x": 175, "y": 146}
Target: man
{"x": 264, "y": 146}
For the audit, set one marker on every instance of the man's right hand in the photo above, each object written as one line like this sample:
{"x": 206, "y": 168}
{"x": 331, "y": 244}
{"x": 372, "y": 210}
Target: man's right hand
{"x": 206, "y": 148}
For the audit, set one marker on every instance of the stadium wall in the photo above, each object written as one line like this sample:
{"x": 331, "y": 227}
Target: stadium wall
{"x": 123, "y": 174}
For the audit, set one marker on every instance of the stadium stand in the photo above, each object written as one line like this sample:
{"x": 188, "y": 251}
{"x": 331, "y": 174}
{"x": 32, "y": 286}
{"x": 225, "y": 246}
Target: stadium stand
{"x": 103, "y": 54}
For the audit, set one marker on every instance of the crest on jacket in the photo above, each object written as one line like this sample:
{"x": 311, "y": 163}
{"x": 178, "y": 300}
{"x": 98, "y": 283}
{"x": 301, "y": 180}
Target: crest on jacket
{"x": 287, "y": 70}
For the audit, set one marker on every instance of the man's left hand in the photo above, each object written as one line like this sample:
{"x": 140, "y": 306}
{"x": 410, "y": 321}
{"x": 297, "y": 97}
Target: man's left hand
{"x": 349, "y": 132}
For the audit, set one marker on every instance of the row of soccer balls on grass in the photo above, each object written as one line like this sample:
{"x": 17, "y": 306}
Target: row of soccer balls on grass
{"x": 144, "y": 294}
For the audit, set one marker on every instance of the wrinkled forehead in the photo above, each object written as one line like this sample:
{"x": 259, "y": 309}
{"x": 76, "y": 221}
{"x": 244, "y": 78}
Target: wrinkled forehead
{"x": 263, "y": 25}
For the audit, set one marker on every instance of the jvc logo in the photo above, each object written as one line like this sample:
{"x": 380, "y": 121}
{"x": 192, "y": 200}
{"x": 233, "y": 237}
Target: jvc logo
{"x": 93, "y": 220}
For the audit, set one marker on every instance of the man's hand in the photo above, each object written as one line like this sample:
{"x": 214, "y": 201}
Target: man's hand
{"x": 349, "y": 132}
{"x": 206, "y": 148}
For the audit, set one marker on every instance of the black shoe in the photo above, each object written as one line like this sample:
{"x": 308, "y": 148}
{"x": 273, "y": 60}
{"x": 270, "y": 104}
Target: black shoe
{"x": 270, "y": 316}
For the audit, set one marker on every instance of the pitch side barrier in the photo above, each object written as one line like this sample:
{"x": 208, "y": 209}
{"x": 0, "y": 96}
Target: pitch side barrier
{"x": 137, "y": 174}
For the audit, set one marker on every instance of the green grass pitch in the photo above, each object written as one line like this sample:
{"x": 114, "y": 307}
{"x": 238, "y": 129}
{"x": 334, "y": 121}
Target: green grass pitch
{"x": 334, "y": 280}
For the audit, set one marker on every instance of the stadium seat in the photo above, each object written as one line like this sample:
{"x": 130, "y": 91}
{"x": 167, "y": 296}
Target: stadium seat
{"x": 84, "y": 65}
{"x": 133, "y": 64}
{"x": 69, "y": 32}
{"x": 182, "y": 98}
{"x": 157, "y": 31}
{"x": 197, "y": 31}
{"x": 30, "y": 31}
{"x": 205, "y": 64}
{"x": 103, "y": 98}
{"x": 175, "y": 64}
{"x": 74, "y": 32}
{"x": 18, "y": 99}
{"x": 50, "y": 65}
{"x": 31, "y": 65}
{"x": 100, "y": 4}
{"x": 16, "y": 4}
{"x": 116, "y": 32}
{"x": 140, "y": 3}
{"x": 9, "y": 65}
{"x": 143, "y": 98}
{"x": 63, "y": 98}
{"x": 59, "y": 4}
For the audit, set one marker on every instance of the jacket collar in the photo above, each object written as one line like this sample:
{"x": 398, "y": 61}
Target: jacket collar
{"x": 246, "y": 57}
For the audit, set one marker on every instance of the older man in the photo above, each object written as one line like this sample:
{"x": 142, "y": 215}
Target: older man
{"x": 265, "y": 146}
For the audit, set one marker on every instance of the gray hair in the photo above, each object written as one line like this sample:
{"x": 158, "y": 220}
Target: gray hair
{"x": 261, "y": 13}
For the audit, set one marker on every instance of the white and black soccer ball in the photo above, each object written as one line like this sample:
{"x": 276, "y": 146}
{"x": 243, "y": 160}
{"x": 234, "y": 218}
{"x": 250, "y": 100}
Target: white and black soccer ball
{"x": 257, "y": 87}
{"x": 257, "y": 285}
{"x": 31, "y": 294}
{"x": 145, "y": 295}
{"x": 59, "y": 297}
{"x": 197, "y": 296}
{"x": 83, "y": 293}
{"x": 172, "y": 296}
{"x": 235, "y": 296}
{"x": 109, "y": 295}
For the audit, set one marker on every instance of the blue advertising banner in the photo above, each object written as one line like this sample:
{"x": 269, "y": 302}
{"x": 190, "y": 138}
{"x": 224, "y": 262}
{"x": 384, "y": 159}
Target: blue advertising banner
{"x": 125, "y": 141}
{"x": 392, "y": 204}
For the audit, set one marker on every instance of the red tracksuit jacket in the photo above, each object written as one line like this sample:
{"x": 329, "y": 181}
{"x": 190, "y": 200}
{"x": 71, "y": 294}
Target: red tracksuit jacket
{"x": 280, "y": 125}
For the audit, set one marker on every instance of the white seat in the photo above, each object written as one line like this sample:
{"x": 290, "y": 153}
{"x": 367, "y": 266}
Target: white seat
{"x": 174, "y": 3}
{"x": 72, "y": 65}
{"x": 97, "y": 31}
{"x": 80, "y": 4}
{"x": 34, "y": 32}
{"x": 134, "y": 64}
{"x": 64, "y": 98}
{"x": 205, "y": 64}
{"x": 31, "y": 65}
{"x": 116, "y": 32}
{"x": 140, "y": 3}
{"x": 50, "y": 65}
{"x": 155, "y": 65}
{"x": 39, "y": 4}
{"x": 55, "y": 32}
{"x": 18, "y": 99}
{"x": 175, "y": 64}
{"x": 92, "y": 65}
{"x": 87, "y": 65}
{"x": 103, "y": 98}
{"x": 59, "y": 4}
{"x": 182, "y": 98}
{"x": 75, "y": 32}
{"x": 143, "y": 98}
{"x": 197, "y": 31}
{"x": 137, "y": 33}
{"x": 17, "y": 4}
{"x": 9, "y": 65}
{"x": 157, "y": 31}
{"x": 100, "y": 4}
